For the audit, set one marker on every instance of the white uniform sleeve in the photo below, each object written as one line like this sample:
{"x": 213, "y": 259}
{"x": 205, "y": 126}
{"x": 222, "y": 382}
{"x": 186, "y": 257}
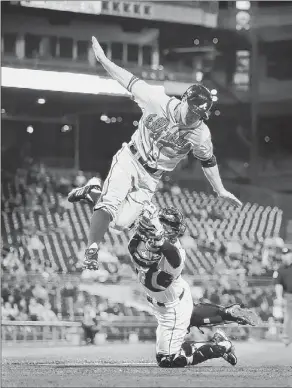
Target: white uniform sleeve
{"x": 203, "y": 149}
{"x": 144, "y": 93}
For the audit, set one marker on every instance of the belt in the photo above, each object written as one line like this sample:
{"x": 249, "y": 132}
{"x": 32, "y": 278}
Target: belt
{"x": 163, "y": 304}
{"x": 135, "y": 152}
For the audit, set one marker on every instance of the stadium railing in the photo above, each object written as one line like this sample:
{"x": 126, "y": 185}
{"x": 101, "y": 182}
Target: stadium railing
{"x": 34, "y": 331}
{"x": 68, "y": 332}
{"x": 119, "y": 328}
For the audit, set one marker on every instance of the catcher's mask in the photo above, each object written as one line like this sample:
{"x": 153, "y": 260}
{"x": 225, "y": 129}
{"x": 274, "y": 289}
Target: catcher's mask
{"x": 173, "y": 223}
{"x": 199, "y": 100}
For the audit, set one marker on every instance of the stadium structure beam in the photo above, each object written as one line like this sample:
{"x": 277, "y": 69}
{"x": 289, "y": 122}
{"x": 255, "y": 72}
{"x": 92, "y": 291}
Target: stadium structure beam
{"x": 77, "y": 143}
{"x": 49, "y": 120}
{"x": 254, "y": 93}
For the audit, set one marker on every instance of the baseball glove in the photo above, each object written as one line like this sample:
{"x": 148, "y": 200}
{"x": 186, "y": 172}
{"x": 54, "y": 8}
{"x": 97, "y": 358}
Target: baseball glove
{"x": 148, "y": 225}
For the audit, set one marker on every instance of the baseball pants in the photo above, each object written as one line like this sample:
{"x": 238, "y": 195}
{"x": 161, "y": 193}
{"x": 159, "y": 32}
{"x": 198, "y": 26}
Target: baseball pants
{"x": 173, "y": 322}
{"x": 127, "y": 188}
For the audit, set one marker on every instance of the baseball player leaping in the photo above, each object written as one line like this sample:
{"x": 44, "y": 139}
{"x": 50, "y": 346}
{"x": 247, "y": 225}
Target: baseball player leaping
{"x": 168, "y": 130}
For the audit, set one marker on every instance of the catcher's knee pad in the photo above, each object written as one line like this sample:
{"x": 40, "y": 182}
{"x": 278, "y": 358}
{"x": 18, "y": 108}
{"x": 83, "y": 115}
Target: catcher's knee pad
{"x": 173, "y": 361}
{"x": 164, "y": 361}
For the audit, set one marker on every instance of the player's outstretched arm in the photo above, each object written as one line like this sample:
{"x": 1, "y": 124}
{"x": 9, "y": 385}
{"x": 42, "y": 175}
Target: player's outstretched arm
{"x": 213, "y": 176}
{"x": 119, "y": 74}
{"x": 209, "y": 164}
{"x": 141, "y": 90}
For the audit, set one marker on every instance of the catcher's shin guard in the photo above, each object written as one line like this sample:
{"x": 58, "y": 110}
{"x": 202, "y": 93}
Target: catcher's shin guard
{"x": 220, "y": 338}
{"x": 219, "y": 346}
{"x": 206, "y": 352}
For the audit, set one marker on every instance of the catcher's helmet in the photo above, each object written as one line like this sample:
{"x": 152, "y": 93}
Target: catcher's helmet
{"x": 199, "y": 100}
{"x": 173, "y": 222}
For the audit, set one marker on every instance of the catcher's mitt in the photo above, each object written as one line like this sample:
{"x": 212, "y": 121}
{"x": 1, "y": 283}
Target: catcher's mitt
{"x": 148, "y": 225}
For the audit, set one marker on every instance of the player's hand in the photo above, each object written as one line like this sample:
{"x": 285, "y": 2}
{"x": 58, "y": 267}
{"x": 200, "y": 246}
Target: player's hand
{"x": 150, "y": 229}
{"x": 230, "y": 198}
{"x": 97, "y": 49}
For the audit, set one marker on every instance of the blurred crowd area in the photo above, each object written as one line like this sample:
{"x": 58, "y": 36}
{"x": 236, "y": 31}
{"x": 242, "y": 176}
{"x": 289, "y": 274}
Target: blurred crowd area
{"x": 43, "y": 233}
{"x": 59, "y": 299}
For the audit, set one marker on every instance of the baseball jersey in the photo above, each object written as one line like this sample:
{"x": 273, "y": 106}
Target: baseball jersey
{"x": 159, "y": 139}
{"x": 160, "y": 280}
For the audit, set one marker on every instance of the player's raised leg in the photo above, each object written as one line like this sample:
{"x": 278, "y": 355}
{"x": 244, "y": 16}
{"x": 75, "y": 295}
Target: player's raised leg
{"x": 115, "y": 189}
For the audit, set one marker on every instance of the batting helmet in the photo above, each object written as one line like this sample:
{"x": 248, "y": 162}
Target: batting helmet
{"x": 173, "y": 222}
{"x": 199, "y": 100}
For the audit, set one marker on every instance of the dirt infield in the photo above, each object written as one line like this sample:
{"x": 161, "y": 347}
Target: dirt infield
{"x": 122, "y": 365}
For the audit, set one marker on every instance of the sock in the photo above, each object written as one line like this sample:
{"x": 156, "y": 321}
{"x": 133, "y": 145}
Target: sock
{"x": 94, "y": 195}
{"x": 99, "y": 224}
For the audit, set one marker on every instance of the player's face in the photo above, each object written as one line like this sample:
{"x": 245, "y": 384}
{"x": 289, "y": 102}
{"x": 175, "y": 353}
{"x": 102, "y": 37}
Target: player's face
{"x": 187, "y": 117}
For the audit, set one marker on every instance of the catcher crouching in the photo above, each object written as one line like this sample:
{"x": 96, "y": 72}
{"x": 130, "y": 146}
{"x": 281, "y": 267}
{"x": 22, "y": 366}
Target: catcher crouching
{"x": 159, "y": 259}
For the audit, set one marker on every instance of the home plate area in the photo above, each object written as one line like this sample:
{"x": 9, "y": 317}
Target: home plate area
{"x": 260, "y": 364}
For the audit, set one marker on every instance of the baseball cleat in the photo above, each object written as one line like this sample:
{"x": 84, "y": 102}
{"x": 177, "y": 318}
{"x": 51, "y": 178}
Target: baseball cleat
{"x": 243, "y": 316}
{"x": 82, "y": 193}
{"x": 91, "y": 259}
{"x": 222, "y": 339}
{"x": 230, "y": 357}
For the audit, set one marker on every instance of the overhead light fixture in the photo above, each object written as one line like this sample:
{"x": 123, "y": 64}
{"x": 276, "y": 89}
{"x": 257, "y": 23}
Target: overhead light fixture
{"x": 214, "y": 98}
{"x": 63, "y": 82}
{"x": 119, "y": 119}
{"x": 3, "y": 110}
{"x": 66, "y": 128}
{"x": 199, "y": 76}
{"x": 29, "y": 129}
{"x": 135, "y": 123}
{"x": 41, "y": 101}
{"x": 214, "y": 92}
{"x": 113, "y": 120}
{"x": 103, "y": 117}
